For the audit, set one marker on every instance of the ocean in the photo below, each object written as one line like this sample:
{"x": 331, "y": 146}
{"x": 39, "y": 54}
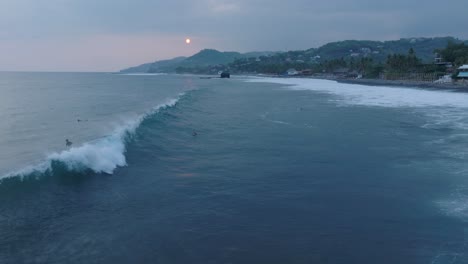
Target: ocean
{"x": 178, "y": 169}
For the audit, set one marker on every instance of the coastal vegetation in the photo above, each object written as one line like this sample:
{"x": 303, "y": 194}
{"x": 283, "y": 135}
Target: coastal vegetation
{"x": 412, "y": 58}
{"x": 408, "y": 65}
{"x": 455, "y": 53}
{"x": 205, "y": 61}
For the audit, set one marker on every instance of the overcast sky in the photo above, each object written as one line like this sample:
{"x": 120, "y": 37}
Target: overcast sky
{"x": 108, "y": 35}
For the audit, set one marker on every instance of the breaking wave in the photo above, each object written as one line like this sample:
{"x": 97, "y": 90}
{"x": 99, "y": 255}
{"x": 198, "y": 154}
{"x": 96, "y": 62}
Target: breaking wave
{"x": 103, "y": 155}
{"x": 355, "y": 94}
{"x": 442, "y": 110}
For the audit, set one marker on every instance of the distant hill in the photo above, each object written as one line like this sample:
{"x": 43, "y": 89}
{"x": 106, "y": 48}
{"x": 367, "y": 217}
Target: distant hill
{"x": 209, "y": 57}
{"x": 249, "y": 62}
{"x": 157, "y": 66}
{"x": 166, "y": 65}
{"x": 204, "y": 58}
{"x": 138, "y": 69}
{"x": 379, "y": 50}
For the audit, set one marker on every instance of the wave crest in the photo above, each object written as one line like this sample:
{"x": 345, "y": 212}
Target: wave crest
{"x": 103, "y": 155}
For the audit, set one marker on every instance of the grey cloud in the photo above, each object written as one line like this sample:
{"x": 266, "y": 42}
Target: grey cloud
{"x": 236, "y": 25}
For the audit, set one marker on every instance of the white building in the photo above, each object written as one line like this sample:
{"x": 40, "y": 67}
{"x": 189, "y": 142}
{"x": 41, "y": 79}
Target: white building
{"x": 292, "y": 72}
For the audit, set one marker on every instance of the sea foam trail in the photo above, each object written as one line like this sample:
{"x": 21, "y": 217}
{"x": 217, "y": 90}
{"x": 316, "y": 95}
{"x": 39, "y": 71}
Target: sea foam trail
{"x": 355, "y": 94}
{"x": 442, "y": 109}
{"x": 103, "y": 155}
{"x": 144, "y": 74}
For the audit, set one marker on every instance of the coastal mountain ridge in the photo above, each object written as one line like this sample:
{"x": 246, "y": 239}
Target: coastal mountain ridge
{"x": 377, "y": 50}
{"x": 156, "y": 66}
{"x": 203, "y": 58}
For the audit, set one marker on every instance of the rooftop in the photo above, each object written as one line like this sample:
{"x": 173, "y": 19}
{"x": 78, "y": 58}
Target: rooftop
{"x": 463, "y": 75}
{"x": 464, "y": 67}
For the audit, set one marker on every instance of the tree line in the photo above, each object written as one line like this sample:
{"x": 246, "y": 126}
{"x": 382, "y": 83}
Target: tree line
{"x": 454, "y": 53}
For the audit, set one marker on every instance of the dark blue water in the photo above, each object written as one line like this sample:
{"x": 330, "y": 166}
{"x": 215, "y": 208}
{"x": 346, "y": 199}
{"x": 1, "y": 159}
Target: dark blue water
{"x": 274, "y": 175}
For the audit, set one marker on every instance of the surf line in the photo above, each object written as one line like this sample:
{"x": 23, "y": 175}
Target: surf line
{"x": 103, "y": 155}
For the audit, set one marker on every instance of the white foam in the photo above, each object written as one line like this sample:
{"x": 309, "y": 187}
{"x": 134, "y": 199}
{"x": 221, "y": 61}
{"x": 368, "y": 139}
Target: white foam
{"x": 442, "y": 110}
{"x": 457, "y": 204}
{"x": 383, "y": 96}
{"x": 143, "y": 74}
{"x": 101, "y": 156}
{"x": 280, "y": 122}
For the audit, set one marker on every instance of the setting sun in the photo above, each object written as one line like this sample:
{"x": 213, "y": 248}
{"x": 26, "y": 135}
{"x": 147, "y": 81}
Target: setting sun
{"x": 188, "y": 41}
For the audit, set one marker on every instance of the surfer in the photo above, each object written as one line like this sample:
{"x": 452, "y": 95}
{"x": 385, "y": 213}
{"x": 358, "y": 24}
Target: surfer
{"x": 68, "y": 143}
{"x": 194, "y": 133}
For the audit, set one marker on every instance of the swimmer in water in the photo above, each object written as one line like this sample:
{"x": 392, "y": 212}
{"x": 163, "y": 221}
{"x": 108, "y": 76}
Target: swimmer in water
{"x": 68, "y": 143}
{"x": 194, "y": 133}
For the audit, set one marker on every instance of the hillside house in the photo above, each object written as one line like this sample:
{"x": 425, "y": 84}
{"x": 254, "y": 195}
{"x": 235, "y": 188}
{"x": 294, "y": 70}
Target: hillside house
{"x": 366, "y": 50}
{"x": 306, "y": 72}
{"x": 341, "y": 72}
{"x": 439, "y": 60}
{"x": 292, "y": 72}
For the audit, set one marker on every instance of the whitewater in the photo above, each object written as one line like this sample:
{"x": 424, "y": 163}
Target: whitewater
{"x": 102, "y": 155}
{"x": 441, "y": 109}
{"x": 99, "y": 115}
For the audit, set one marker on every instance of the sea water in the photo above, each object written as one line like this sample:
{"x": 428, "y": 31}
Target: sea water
{"x": 278, "y": 171}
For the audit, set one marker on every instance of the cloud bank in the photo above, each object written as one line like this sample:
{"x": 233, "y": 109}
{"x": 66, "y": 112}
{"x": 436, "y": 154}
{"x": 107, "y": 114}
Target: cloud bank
{"x": 107, "y": 35}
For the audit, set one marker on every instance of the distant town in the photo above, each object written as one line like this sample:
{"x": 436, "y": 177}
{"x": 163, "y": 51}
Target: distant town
{"x": 420, "y": 60}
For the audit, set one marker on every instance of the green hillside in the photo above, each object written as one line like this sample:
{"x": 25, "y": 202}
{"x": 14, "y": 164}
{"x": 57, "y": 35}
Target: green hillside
{"x": 203, "y": 59}
{"x": 379, "y": 50}
{"x": 210, "y": 60}
{"x": 165, "y": 65}
{"x": 157, "y": 66}
{"x": 138, "y": 69}
{"x": 209, "y": 57}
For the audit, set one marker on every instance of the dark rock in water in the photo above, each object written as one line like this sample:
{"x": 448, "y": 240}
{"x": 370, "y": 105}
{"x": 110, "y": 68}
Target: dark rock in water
{"x": 225, "y": 75}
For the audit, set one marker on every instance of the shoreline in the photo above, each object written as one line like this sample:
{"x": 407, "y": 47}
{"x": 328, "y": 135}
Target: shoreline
{"x": 463, "y": 87}
{"x": 368, "y": 82}
{"x": 381, "y": 82}
{"x": 407, "y": 84}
